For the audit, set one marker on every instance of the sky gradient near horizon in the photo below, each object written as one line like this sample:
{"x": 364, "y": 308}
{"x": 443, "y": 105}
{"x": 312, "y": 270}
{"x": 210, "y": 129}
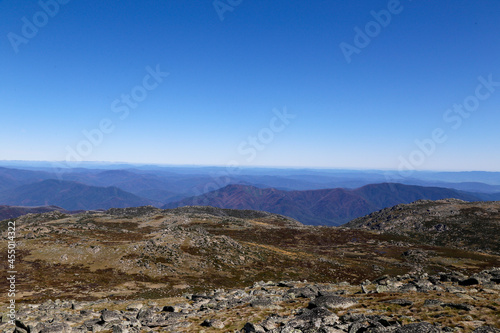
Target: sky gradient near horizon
{"x": 281, "y": 83}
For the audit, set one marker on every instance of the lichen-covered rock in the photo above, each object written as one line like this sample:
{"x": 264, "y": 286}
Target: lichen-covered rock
{"x": 332, "y": 302}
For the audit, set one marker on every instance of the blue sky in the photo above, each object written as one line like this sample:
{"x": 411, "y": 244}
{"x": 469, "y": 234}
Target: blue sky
{"x": 228, "y": 80}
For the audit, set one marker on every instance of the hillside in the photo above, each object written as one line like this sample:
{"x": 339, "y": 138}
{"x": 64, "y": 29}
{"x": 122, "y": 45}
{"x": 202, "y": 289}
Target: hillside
{"x": 9, "y": 212}
{"x": 321, "y": 207}
{"x": 452, "y": 223}
{"x": 70, "y": 196}
{"x": 192, "y": 265}
{"x": 205, "y": 247}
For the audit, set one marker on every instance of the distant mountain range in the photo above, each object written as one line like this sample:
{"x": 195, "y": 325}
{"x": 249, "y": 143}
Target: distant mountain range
{"x": 324, "y": 207}
{"x": 71, "y": 196}
{"x": 328, "y": 197}
{"x": 169, "y": 184}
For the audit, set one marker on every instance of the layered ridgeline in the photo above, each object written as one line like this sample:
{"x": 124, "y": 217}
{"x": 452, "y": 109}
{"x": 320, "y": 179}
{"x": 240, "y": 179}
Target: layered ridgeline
{"x": 328, "y": 206}
{"x": 156, "y": 270}
{"x": 310, "y": 196}
{"x": 71, "y": 196}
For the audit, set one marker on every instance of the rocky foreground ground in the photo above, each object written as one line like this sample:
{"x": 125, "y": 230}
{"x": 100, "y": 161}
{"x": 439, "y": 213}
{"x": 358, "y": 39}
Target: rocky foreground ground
{"x": 189, "y": 270}
{"x": 446, "y": 302}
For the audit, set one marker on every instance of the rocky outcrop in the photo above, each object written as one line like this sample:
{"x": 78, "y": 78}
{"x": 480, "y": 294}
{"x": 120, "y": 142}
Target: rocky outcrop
{"x": 448, "y": 222}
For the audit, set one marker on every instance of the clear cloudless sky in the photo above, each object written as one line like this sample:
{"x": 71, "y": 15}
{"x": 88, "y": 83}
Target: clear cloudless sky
{"x": 227, "y": 76}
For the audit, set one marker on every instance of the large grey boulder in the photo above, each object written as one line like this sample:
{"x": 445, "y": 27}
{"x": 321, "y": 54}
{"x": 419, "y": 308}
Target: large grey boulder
{"x": 422, "y": 327}
{"x": 332, "y": 302}
{"x": 56, "y": 328}
{"x": 110, "y": 316}
{"x": 314, "y": 318}
{"x": 264, "y": 303}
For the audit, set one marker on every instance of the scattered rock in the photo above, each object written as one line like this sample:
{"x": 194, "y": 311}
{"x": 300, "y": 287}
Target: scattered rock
{"x": 323, "y": 303}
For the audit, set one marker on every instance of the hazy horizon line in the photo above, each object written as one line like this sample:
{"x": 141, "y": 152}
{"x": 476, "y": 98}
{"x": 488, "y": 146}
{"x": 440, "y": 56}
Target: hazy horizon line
{"x": 74, "y": 165}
